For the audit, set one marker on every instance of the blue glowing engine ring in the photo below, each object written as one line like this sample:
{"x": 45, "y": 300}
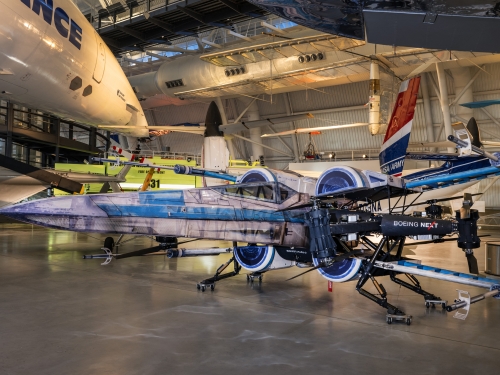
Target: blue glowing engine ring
{"x": 340, "y": 272}
{"x": 254, "y": 258}
{"x": 338, "y": 178}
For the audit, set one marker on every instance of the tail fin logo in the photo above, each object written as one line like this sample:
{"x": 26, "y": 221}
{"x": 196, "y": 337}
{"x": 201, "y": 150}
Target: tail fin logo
{"x": 397, "y": 137}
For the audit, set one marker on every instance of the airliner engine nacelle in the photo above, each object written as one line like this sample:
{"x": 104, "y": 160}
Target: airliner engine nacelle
{"x": 344, "y": 177}
{"x": 293, "y": 180}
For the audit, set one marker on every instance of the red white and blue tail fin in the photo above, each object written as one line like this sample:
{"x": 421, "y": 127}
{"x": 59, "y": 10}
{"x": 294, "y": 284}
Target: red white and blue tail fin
{"x": 393, "y": 152}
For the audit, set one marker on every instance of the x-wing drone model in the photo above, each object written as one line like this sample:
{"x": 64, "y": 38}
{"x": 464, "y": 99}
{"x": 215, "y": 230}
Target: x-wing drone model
{"x": 286, "y": 220}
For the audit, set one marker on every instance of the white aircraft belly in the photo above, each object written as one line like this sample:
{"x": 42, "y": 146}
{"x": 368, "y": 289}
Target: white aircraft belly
{"x": 43, "y": 64}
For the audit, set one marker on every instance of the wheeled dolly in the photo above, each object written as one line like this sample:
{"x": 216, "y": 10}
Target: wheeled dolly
{"x": 389, "y": 318}
{"x": 433, "y": 302}
{"x": 210, "y": 282}
{"x": 205, "y": 284}
{"x": 254, "y": 275}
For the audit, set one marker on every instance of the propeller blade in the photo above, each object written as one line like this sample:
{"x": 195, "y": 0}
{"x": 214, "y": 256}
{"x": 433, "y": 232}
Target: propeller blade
{"x": 472, "y": 263}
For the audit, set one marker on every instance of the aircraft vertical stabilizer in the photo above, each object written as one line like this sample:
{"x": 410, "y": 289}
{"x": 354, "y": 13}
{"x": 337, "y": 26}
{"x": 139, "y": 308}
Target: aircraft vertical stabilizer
{"x": 397, "y": 137}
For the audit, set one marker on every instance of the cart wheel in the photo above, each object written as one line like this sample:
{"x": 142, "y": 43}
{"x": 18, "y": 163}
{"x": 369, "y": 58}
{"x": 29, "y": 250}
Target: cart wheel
{"x": 427, "y": 304}
{"x": 389, "y": 320}
{"x": 433, "y": 305}
{"x": 260, "y": 278}
{"x": 212, "y": 287}
{"x": 408, "y": 321}
{"x": 443, "y": 305}
{"x": 198, "y": 286}
{"x": 203, "y": 288}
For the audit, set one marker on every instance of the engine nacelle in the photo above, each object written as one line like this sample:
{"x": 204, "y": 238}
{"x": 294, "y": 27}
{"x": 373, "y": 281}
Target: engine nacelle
{"x": 339, "y": 272}
{"x": 341, "y": 177}
{"x": 293, "y": 180}
{"x": 344, "y": 177}
{"x": 260, "y": 258}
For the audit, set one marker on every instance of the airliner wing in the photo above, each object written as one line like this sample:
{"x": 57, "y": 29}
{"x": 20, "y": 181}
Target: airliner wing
{"x": 318, "y": 129}
{"x": 491, "y": 144}
{"x": 245, "y": 125}
{"x": 227, "y": 128}
{"x": 200, "y": 129}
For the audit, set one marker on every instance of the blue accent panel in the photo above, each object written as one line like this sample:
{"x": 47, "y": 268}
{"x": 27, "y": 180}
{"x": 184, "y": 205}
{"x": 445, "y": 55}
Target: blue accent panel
{"x": 393, "y": 157}
{"x": 170, "y": 197}
{"x": 463, "y": 164}
{"x": 475, "y": 173}
{"x": 252, "y": 257}
{"x": 448, "y": 272}
{"x": 481, "y": 104}
{"x": 221, "y": 176}
{"x": 338, "y": 270}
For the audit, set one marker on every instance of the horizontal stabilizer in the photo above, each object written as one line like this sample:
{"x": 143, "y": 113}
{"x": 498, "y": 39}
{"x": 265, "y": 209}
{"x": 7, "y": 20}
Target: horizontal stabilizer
{"x": 481, "y": 103}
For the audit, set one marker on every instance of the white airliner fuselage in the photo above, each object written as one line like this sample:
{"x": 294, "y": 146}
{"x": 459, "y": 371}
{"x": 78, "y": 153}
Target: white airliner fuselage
{"x": 52, "y": 59}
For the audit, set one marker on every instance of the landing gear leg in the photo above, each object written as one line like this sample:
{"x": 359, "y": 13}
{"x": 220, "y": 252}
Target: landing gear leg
{"x": 210, "y": 282}
{"x": 393, "y": 312}
{"x": 430, "y": 299}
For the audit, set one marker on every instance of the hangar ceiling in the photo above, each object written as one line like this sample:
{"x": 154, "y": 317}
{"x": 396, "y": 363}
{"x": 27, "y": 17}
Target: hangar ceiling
{"x": 134, "y": 25}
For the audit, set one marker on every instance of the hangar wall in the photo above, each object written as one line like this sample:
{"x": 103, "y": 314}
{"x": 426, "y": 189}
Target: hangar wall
{"x": 338, "y": 105}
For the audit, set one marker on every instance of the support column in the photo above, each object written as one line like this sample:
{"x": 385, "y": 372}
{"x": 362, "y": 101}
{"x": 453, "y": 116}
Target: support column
{"x": 461, "y": 79}
{"x": 254, "y": 115}
{"x": 56, "y": 128}
{"x": 429, "y": 126}
{"x": 443, "y": 89}
{"x": 229, "y": 140}
{"x": 289, "y": 112}
{"x": 10, "y": 129}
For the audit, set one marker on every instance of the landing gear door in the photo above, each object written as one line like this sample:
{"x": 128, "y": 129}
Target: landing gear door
{"x": 100, "y": 64}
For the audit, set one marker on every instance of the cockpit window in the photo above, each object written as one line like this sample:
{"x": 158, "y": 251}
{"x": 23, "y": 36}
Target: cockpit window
{"x": 258, "y": 191}
{"x": 261, "y": 190}
{"x": 285, "y": 192}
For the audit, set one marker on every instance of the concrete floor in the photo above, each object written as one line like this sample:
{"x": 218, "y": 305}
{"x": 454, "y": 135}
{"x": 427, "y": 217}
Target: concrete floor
{"x": 60, "y": 314}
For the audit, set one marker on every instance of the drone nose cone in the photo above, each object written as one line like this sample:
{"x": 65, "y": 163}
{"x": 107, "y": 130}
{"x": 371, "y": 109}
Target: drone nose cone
{"x": 212, "y": 121}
